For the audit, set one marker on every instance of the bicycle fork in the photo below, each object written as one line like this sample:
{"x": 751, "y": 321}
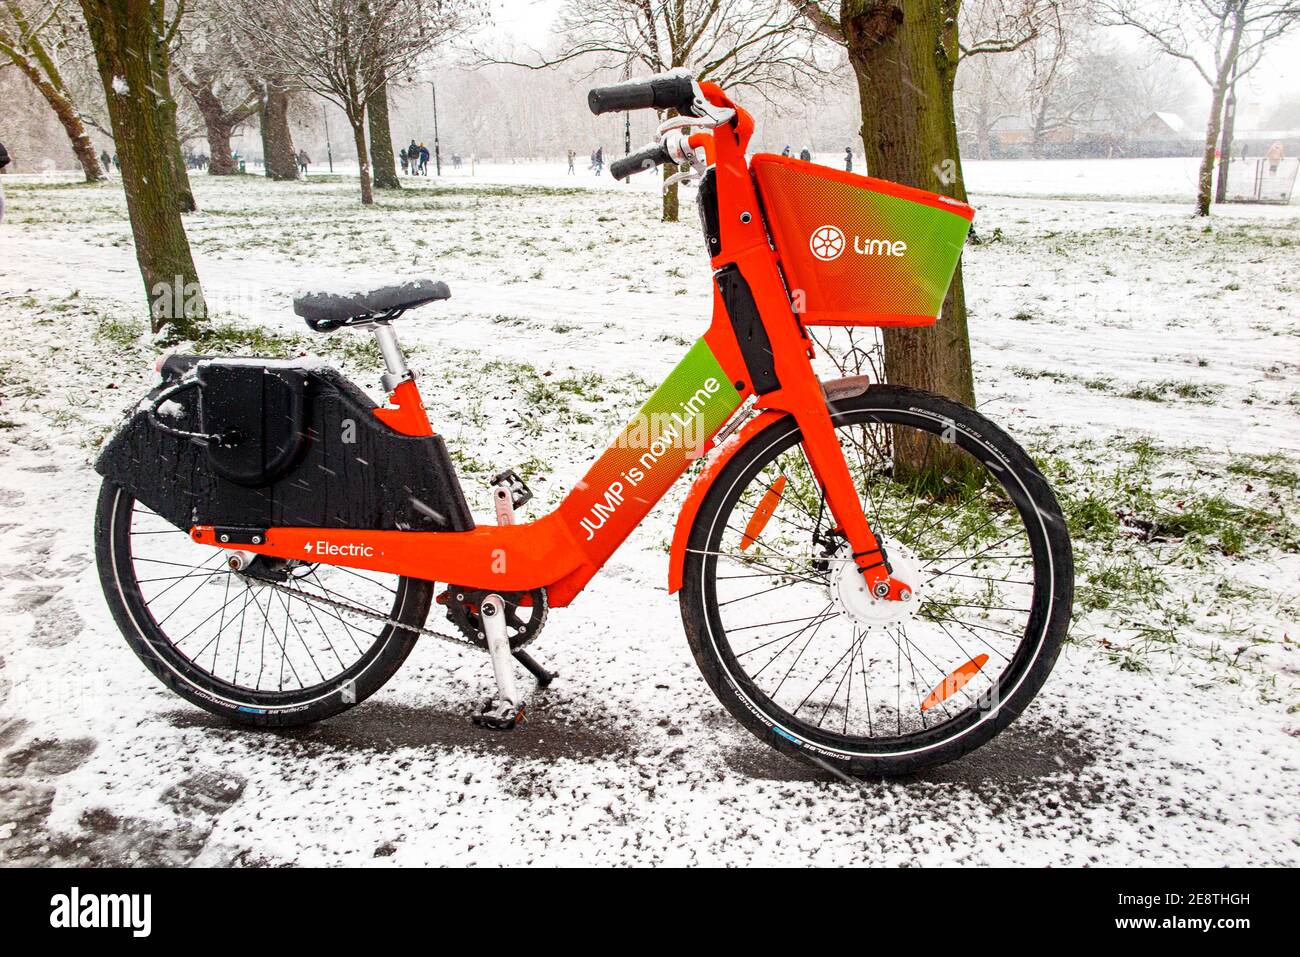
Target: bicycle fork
{"x": 826, "y": 457}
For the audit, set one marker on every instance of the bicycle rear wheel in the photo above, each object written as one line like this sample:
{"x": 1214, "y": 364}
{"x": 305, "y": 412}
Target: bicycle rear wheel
{"x": 790, "y": 640}
{"x": 273, "y": 645}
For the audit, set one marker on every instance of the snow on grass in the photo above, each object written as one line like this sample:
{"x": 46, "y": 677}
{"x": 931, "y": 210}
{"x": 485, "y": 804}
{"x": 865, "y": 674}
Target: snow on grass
{"x": 1147, "y": 358}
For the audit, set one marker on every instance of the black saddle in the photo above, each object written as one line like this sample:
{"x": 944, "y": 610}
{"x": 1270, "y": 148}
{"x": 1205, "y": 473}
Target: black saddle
{"x": 326, "y": 311}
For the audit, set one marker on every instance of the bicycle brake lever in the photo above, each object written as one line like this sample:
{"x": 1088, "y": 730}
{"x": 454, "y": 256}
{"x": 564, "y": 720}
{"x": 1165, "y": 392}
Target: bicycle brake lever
{"x": 683, "y": 177}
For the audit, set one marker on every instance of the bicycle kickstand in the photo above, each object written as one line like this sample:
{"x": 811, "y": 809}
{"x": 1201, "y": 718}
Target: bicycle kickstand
{"x": 506, "y": 710}
{"x": 535, "y": 668}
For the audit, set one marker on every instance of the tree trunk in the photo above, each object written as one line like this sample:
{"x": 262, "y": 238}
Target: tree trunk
{"x": 221, "y": 161}
{"x": 1225, "y": 143}
{"x": 51, "y": 87}
{"x": 359, "y": 140}
{"x": 1205, "y": 183}
{"x": 125, "y": 37}
{"x": 983, "y": 134}
{"x": 381, "y": 140}
{"x": 909, "y": 132}
{"x": 984, "y": 118}
{"x": 277, "y": 142}
{"x": 161, "y": 91}
{"x": 905, "y": 60}
{"x": 219, "y": 123}
{"x": 672, "y": 203}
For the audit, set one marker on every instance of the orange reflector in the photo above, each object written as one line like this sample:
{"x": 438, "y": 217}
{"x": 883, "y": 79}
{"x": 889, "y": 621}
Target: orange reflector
{"x": 766, "y": 506}
{"x": 954, "y": 682}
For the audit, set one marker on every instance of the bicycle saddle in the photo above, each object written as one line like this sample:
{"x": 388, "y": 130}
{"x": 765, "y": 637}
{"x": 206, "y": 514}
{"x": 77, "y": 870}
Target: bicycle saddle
{"x": 326, "y": 310}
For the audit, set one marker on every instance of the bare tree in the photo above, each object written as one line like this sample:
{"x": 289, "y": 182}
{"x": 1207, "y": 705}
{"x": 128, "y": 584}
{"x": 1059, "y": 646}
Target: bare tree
{"x": 227, "y": 88}
{"x": 1061, "y": 92}
{"x": 342, "y": 50}
{"x": 760, "y": 45}
{"x": 35, "y": 35}
{"x": 1221, "y": 39}
{"x": 209, "y": 67}
{"x": 1131, "y": 85}
{"x": 987, "y": 92}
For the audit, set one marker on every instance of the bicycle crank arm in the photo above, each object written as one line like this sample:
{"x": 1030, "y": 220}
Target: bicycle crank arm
{"x": 505, "y": 711}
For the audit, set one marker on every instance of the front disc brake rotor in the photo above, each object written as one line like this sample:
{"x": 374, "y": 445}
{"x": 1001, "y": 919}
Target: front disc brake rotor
{"x": 525, "y": 613}
{"x": 849, "y": 593}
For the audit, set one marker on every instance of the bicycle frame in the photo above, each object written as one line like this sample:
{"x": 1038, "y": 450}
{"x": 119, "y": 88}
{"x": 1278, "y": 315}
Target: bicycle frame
{"x": 564, "y": 549}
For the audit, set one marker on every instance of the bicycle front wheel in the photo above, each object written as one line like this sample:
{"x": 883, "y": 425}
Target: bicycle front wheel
{"x": 801, "y": 654}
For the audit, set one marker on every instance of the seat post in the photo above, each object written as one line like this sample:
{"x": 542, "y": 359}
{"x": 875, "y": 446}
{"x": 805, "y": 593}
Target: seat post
{"x": 394, "y": 359}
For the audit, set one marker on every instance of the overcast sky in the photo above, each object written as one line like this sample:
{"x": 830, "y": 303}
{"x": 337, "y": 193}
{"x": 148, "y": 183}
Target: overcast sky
{"x": 1278, "y": 75}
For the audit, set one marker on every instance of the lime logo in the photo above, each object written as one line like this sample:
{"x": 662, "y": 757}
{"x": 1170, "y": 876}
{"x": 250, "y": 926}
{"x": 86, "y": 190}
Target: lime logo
{"x": 879, "y": 247}
{"x": 826, "y": 243}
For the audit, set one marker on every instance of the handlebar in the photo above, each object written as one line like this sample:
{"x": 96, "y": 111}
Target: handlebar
{"x": 673, "y": 91}
{"x": 648, "y": 158}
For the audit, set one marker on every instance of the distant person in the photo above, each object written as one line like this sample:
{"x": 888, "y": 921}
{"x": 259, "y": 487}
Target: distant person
{"x": 571, "y": 155}
{"x": 848, "y": 159}
{"x": 805, "y": 155}
{"x": 455, "y": 161}
{"x": 598, "y": 160}
{"x": 4, "y": 161}
{"x": 1274, "y": 155}
{"x": 117, "y": 165}
{"x": 413, "y": 157}
{"x": 424, "y": 160}
{"x": 105, "y": 161}
{"x": 303, "y": 160}
{"x": 786, "y": 151}
{"x": 402, "y": 157}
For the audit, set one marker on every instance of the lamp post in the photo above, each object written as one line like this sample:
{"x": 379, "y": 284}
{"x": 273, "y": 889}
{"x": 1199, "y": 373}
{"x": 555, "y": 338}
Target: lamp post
{"x": 627, "y": 117}
{"x": 437, "y": 151}
{"x": 329, "y": 150}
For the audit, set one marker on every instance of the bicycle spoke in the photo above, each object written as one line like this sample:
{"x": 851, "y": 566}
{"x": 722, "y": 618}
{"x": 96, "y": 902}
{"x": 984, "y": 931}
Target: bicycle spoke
{"x": 232, "y": 632}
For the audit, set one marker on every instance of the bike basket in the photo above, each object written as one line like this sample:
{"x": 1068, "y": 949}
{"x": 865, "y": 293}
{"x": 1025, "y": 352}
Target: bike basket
{"x": 858, "y": 251}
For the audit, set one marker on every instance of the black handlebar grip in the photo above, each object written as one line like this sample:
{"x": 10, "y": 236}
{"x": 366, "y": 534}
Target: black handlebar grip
{"x": 675, "y": 92}
{"x": 648, "y": 158}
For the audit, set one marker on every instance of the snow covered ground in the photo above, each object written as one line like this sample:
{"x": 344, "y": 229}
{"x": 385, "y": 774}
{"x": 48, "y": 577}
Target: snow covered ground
{"x": 1149, "y": 359}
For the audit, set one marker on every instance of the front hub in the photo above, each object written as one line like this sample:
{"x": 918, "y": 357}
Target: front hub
{"x": 852, "y": 595}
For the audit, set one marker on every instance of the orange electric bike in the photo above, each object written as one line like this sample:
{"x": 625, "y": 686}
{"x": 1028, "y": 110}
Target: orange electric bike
{"x": 872, "y": 578}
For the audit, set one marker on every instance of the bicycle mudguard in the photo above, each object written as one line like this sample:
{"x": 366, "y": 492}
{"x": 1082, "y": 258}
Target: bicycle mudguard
{"x": 326, "y": 463}
{"x": 834, "y": 389}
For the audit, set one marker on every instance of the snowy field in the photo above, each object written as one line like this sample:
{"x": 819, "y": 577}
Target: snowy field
{"x": 1150, "y": 360}
{"x": 1169, "y": 179}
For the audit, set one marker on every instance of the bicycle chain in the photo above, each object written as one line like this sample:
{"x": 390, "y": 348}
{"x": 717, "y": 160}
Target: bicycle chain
{"x": 373, "y": 615}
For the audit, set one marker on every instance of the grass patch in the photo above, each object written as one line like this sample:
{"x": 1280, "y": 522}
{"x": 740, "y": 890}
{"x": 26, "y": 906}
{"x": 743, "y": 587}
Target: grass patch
{"x": 1162, "y": 391}
{"x": 1274, "y": 469}
{"x": 123, "y": 333}
{"x": 1149, "y": 524}
{"x": 233, "y": 339}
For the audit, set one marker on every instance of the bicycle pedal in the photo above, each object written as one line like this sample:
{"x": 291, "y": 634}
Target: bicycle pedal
{"x": 498, "y": 714}
{"x": 520, "y": 493}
